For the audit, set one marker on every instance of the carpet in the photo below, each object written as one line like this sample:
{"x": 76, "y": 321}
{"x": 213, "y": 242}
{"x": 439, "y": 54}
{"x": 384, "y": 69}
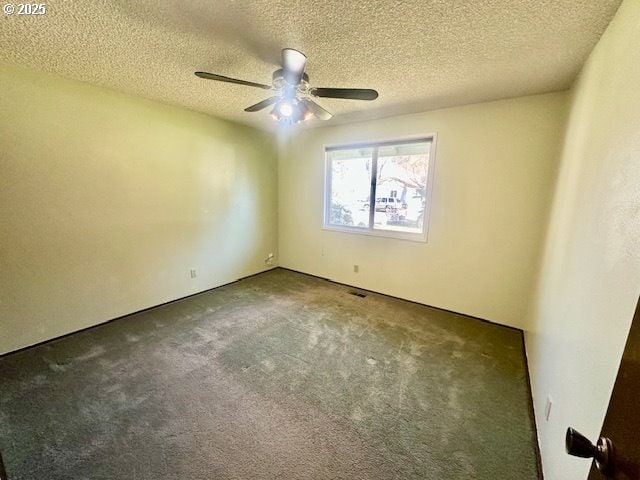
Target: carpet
{"x": 277, "y": 376}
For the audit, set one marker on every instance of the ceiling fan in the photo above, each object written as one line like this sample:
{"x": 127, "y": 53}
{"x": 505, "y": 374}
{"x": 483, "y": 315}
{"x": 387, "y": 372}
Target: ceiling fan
{"x": 293, "y": 101}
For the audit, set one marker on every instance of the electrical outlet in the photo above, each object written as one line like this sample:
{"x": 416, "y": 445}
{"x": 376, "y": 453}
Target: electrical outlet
{"x": 269, "y": 259}
{"x": 547, "y": 408}
{"x": 356, "y": 268}
{"x": 193, "y": 273}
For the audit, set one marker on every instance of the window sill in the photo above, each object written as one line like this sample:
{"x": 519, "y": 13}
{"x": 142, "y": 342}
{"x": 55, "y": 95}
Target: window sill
{"x": 391, "y": 234}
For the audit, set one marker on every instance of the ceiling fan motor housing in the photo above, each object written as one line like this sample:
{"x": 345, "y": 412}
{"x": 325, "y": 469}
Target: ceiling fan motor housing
{"x": 279, "y": 81}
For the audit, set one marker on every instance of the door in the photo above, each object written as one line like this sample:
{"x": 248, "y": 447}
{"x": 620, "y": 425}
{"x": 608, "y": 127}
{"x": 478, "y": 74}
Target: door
{"x": 622, "y": 423}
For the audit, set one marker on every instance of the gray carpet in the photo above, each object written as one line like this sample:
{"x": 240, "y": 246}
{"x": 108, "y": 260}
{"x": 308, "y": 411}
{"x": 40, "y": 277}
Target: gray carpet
{"x": 280, "y": 375}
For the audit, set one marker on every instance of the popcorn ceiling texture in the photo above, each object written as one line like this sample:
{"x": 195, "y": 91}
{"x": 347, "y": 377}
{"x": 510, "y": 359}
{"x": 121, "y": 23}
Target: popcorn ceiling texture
{"x": 419, "y": 54}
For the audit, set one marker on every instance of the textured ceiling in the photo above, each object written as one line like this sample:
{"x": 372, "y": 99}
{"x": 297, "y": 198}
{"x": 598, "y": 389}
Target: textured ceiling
{"x": 419, "y": 54}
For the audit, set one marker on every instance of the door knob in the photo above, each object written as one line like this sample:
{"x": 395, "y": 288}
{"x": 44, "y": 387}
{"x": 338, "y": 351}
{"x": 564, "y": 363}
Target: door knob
{"x": 580, "y": 446}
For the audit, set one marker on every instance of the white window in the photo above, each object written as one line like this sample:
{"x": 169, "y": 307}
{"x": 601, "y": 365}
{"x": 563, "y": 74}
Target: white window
{"x": 397, "y": 174}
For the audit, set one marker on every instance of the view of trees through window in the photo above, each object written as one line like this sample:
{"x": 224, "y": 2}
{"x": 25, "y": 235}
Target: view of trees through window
{"x": 395, "y": 174}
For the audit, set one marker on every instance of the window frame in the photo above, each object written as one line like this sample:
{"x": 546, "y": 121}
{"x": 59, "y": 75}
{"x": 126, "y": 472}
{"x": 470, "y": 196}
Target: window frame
{"x": 370, "y": 231}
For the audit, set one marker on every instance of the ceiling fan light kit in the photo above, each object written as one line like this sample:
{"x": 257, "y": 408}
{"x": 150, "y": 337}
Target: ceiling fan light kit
{"x": 290, "y": 111}
{"x": 294, "y": 99}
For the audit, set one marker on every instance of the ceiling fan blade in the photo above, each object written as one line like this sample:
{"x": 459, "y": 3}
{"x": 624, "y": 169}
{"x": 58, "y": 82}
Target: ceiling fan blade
{"x": 349, "y": 93}
{"x": 263, "y": 104}
{"x": 293, "y": 63}
{"x": 222, "y": 78}
{"x": 317, "y": 110}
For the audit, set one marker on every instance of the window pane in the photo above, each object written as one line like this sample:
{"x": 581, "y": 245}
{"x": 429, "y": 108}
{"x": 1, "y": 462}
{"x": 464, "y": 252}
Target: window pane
{"x": 350, "y": 172}
{"x": 401, "y": 188}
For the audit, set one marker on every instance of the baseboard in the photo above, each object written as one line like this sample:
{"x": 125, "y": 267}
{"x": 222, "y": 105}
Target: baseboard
{"x": 404, "y": 299}
{"x": 53, "y": 339}
{"x": 532, "y": 411}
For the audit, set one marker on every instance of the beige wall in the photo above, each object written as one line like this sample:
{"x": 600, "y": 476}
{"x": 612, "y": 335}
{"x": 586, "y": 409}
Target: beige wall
{"x": 590, "y": 279}
{"x": 494, "y": 173}
{"x": 107, "y": 201}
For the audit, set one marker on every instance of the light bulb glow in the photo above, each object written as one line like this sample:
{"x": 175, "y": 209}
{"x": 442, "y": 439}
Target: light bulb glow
{"x": 286, "y": 109}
